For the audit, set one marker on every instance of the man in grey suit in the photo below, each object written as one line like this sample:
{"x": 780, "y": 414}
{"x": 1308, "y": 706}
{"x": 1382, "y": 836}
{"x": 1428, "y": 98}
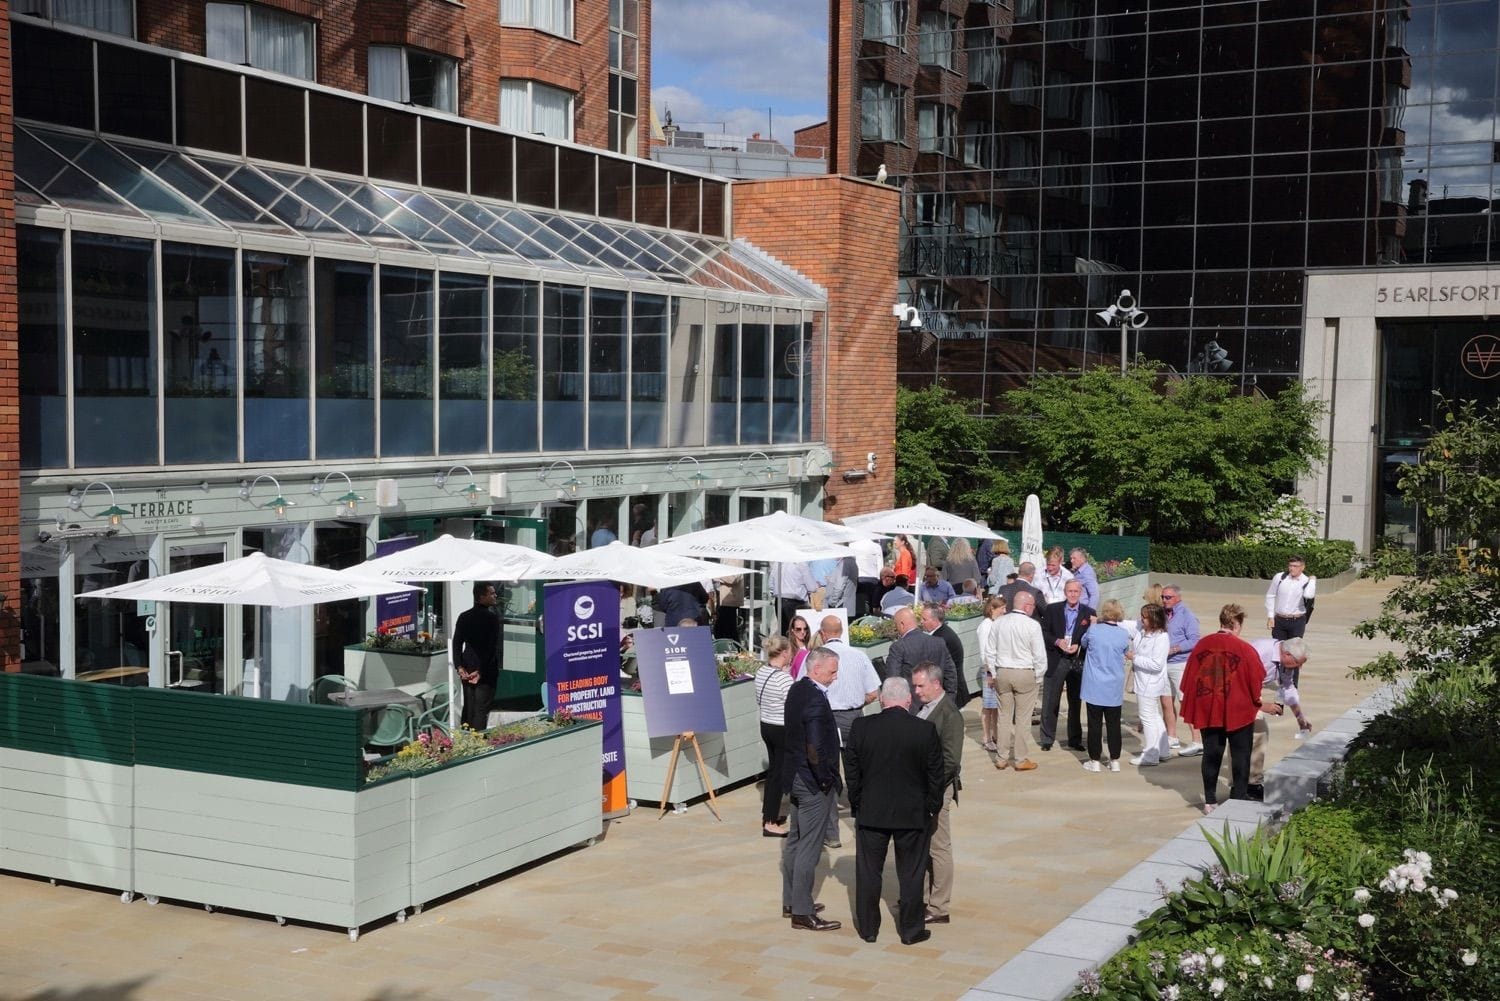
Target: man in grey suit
{"x": 895, "y": 766}
{"x": 913, "y": 647}
{"x": 939, "y": 709}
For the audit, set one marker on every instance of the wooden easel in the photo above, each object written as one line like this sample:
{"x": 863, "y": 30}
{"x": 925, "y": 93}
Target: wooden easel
{"x": 666, "y": 792}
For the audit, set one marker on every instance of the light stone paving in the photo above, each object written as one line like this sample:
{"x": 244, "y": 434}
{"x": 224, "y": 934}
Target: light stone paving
{"x": 687, "y": 907}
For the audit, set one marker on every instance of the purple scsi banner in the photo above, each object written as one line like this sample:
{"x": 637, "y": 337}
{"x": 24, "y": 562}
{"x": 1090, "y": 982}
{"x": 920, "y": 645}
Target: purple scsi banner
{"x": 396, "y": 614}
{"x": 581, "y": 643}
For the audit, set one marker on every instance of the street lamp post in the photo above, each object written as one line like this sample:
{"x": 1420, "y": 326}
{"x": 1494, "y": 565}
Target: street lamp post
{"x": 1127, "y": 313}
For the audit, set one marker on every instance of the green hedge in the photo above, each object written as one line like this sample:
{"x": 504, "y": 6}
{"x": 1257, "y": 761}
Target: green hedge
{"x": 1241, "y": 559}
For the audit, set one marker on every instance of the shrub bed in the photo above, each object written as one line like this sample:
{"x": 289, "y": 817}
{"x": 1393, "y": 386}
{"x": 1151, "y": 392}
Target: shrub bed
{"x": 1245, "y": 559}
{"x": 1388, "y": 891}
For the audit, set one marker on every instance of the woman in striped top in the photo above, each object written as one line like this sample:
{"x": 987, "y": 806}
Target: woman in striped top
{"x": 772, "y": 682}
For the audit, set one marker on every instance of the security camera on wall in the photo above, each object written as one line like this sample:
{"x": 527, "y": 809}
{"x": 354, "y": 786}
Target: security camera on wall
{"x": 907, "y": 315}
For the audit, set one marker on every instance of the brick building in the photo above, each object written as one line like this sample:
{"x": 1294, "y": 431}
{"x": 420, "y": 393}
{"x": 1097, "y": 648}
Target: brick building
{"x": 287, "y": 278}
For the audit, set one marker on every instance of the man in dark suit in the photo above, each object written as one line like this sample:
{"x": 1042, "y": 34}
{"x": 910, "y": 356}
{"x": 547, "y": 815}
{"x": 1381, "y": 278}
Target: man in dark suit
{"x": 934, "y": 623}
{"x": 1063, "y": 625}
{"x": 812, "y": 774}
{"x": 476, "y": 642}
{"x": 895, "y": 766}
{"x": 915, "y": 646}
{"x": 1024, "y": 573}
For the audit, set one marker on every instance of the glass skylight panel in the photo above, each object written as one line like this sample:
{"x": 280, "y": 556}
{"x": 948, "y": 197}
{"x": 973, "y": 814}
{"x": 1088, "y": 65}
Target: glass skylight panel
{"x": 27, "y": 195}
{"x": 575, "y": 234}
{"x": 284, "y": 206}
{"x": 62, "y": 182}
{"x": 653, "y": 256}
{"x": 345, "y": 212}
{"x": 555, "y": 244}
{"x": 125, "y": 178}
{"x": 503, "y": 233}
{"x": 208, "y": 192}
{"x": 379, "y": 206}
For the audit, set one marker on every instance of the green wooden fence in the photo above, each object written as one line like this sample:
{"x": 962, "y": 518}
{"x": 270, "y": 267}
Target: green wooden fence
{"x": 220, "y": 735}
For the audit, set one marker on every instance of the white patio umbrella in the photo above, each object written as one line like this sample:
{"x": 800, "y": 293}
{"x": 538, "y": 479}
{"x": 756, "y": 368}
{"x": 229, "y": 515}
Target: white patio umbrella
{"x": 920, "y": 520}
{"x": 648, "y": 567}
{"x": 256, "y": 579}
{"x": 1031, "y": 532}
{"x": 447, "y": 558}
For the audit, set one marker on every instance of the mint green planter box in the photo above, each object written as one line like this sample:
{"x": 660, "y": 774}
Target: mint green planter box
{"x": 732, "y": 757}
{"x": 971, "y": 668}
{"x": 413, "y": 673}
{"x": 66, "y": 818}
{"x": 330, "y": 856}
{"x": 483, "y": 816}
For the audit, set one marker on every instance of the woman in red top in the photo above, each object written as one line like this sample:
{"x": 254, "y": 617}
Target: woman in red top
{"x": 903, "y": 560}
{"x": 1221, "y": 697}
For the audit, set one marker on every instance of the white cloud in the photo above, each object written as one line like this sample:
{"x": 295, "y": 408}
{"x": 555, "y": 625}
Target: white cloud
{"x": 776, "y": 48}
{"x": 692, "y": 112}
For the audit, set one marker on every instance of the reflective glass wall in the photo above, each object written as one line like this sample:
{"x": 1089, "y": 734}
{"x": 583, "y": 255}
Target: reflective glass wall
{"x": 1200, "y": 154}
{"x": 192, "y": 355}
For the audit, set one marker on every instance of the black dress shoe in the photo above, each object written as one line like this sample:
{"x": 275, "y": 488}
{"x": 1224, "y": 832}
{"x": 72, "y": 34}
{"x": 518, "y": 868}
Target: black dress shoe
{"x": 1078, "y": 747}
{"x": 811, "y": 922}
{"x": 786, "y": 912}
{"x": 1256, "y": 791}
{"x": 1046, "y": 747}
{"x": 918, "y": 938}
{"x": 868, "y": 938}
{"x": 937, "y": 919}
{"x": 772, "y": 834}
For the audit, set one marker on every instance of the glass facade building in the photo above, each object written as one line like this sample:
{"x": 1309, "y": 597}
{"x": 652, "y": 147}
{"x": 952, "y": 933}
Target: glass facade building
{"x": 1204, "y": 155}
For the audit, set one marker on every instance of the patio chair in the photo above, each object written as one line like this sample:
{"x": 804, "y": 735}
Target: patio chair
{"x": 326, "y": 686}
{"x": 397, "y": 726}
{"x": 436, "y": 717}
{"x": 725, "y": 646}
{"x": 436, "y": 698}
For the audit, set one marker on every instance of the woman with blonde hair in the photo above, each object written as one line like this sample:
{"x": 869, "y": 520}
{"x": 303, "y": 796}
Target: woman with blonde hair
{"x": 989, "y": 715}
{"x": 960, "y": 564}
{"x": 1002, "y": 566}
{"x": 772, "y": 683}
{"x": 801, "y": 638}
{"x": 1103, "y": 685}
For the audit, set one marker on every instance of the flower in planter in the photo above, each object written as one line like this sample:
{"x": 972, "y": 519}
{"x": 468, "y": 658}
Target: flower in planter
{"x": 1366, "y": 920}
{"x": 1305, "y": 983}
{"x": 1216, "y": 986}
{"x": 1468, "y": 957}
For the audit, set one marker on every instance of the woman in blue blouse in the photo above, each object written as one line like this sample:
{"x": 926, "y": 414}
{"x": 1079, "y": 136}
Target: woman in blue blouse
{"x": 1103, "y": 689}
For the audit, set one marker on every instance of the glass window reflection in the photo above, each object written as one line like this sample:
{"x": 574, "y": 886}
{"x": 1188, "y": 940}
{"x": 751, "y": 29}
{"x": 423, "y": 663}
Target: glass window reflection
{"x": 607, "y": 398}
{"x": 276, "y": 357}
{"x": 405, "y": 362}
{"x": 517, "y": 316}
{"x": 346, "y": 359}
{"x": 463, "y": 364}
{"x": 199, "y": 359}
{"x": 648, "y": 371}
{"x": 114, "y": 351}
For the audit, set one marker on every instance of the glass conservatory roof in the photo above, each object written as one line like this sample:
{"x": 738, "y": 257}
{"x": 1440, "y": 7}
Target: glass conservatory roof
{"x": 83, "y": 173}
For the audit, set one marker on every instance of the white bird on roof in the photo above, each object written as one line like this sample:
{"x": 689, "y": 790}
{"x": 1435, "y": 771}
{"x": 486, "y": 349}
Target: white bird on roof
{"x": 881, "y": 175}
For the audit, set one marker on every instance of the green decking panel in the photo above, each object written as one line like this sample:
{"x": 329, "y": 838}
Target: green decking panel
{"x": 248, "y": 738}
{"x": 1100, "y": 547}
{"x": 70, "y": 718}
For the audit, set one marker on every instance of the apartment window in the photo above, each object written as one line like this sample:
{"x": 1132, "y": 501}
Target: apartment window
{"x": 555, "y": 16}
{"x": 880, "y": 112}
{"x": 885, "y": 21}
{"x": 934, "y": 210}
{"x": 624, "y": 48}
{"x": 114, "y": 16}
{"x": 537, "y": 109}
{"x": 267, "y": 39}
{"x": 411, "y": 76}
{"x": 936, "y": 126}
{"x": 935, "y": 40}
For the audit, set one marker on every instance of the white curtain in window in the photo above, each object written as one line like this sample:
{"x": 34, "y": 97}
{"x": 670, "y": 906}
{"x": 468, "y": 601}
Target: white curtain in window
{"x": 1026, "y": 82}
{"x": 935, "y": 40}
{"x": 882, "y": 21}
{"x": 515, "y": 11}
{"x": 387, "y": 72}
{"x": 102, "y": 15}
{"x": 551, "y": 111}
{"x": 927, "y": 126}
{"x": 225, "y": 32}
{"x": 281, "y": 42}
{"x": 445, "y": 86}
{"x": 514, "y": 105}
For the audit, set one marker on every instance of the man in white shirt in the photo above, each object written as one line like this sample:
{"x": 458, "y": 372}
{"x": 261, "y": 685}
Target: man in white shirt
{"x": 867, "y": 563}
{"x": 1289, "y": 600}
{"x": 1052, "y": 580}
{"x": 793, "y": 583}
{"x": 1015, "y": 649}
{"x": 1282, "y": 660}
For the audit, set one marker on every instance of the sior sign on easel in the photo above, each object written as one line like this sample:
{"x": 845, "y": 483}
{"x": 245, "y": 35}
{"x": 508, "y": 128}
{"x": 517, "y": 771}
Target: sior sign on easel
{"x": 680, "y": 687}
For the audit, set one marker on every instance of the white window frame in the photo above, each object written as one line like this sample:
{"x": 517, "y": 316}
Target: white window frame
{"x": 538, "y": 15}
{"x": 249, "y": 11}
{"x": 404, "y": 97}
{"x": 531, "y": 86}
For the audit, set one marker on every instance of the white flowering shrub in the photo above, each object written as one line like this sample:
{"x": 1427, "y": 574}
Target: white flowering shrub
{"x": 1287, "y": 522}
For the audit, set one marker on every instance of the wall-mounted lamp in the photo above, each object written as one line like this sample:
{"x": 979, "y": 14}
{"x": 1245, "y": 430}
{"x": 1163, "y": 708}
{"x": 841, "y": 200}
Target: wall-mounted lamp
{"x": 769, "y": 469}
{"x": 697, "y": 479}
{"x": 349, "y": 500}
{"x": 907, "y": 315}
{"x": 571, "y": 484}
{"x": 855, "y": 475}
{"x": 472, "y": 491}
{"x": 278, "y": 504}
{"x": 115, "y": 513}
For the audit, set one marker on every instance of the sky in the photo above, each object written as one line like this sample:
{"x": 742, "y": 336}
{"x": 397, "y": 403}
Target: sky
{"x": 729, "y": 61}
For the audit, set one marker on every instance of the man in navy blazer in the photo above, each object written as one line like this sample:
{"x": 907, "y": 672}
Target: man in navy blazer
{"x": 812, "y": 775}
{"x": 1063, "y": 625}
{"x": 895, "y": 768}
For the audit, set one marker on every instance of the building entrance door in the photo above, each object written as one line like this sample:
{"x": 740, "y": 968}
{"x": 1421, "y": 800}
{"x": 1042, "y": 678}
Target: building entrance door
{"x": 522, "y": 661}
{"x": 195, "y": 633}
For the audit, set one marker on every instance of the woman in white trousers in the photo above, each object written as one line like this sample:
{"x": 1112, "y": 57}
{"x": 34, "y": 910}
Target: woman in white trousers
{"x": 1153, "y": 687}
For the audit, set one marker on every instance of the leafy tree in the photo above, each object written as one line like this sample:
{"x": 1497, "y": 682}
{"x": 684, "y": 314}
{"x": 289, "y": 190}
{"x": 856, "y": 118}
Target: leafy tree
{"x": 1184, "y": 460}
{"x": 941, "y": 448}
{"x": 1447, "y": 613}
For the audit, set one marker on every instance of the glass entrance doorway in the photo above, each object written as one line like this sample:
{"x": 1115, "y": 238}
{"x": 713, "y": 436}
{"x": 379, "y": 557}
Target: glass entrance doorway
{"x": 195, "y": 633}
{"x": 522, "y": 661}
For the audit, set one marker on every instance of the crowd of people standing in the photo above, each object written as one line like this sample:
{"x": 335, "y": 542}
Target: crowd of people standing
{"x": 1044, "y": 636}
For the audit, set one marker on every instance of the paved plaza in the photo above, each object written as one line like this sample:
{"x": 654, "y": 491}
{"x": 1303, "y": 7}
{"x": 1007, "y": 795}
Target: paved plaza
{"x": 683, "y": 906}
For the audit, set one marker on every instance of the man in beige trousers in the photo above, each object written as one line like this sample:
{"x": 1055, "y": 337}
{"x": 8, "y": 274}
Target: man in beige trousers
{"x": 1018, "y": 654}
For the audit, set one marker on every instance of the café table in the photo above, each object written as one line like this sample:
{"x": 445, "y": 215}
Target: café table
{"x": 371, "y": 703}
